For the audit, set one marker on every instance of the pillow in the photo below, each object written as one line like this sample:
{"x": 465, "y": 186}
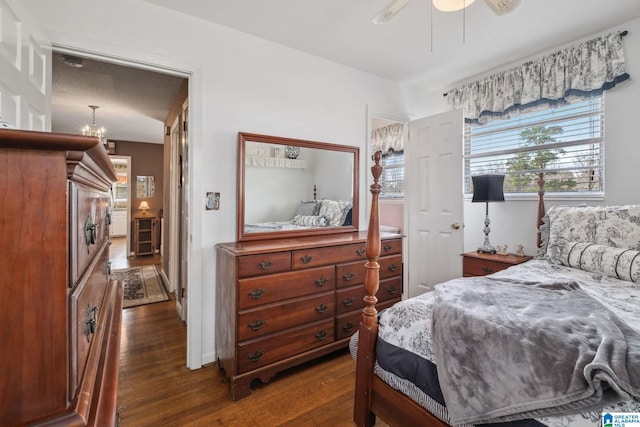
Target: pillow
{"x": 311, "y": 220}
{"x": 614, "y": 262}
{"x": 348, "y": 220}
{"x": 335, "y": 211}
{"x": 308, "y": 208}
{"x": 613, "y": 226}
{"x": 544, "y": 236}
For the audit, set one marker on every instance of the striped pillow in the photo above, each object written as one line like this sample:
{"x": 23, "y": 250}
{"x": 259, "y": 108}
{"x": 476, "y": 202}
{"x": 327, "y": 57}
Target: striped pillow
{"x": 621, "y": 263}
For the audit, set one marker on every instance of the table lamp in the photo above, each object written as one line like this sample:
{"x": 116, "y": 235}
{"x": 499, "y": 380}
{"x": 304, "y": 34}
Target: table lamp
{"x": 144, "y": 207}
{"x": 487, "y": 188}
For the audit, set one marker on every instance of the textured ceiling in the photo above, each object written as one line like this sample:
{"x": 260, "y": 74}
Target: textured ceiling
{"x": 133, "y": 102}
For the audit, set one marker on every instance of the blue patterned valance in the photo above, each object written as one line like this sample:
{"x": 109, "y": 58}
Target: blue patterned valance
{"x": 580, "y": 71}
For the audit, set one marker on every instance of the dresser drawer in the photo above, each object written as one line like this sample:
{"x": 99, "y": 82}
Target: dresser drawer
{"x": 257, "y": 353}
{"x": 349, "y": 299}
{"x": 391, "y": 247}
{"x": 350, "y": 274}
{"x": 279, "y": 316}
{"x": 347, "y": 324}
{"x": 354, "y": 272}
{"x": 278, "y": 287}
{"x": 390, "y": 266}
{"x": 255, "y": 265}
{"x": 328, "y": 255}
{"x": 85, "y": 315}
{"x": 89, "y": 228}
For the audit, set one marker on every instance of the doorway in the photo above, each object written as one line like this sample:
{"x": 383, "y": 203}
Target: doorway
{"x": 121, "y": 199}
{"x": 120, "y": 88}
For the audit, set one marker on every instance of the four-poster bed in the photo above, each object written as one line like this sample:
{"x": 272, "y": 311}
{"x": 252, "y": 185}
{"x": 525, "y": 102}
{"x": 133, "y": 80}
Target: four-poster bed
{"x": 588, "y": 263}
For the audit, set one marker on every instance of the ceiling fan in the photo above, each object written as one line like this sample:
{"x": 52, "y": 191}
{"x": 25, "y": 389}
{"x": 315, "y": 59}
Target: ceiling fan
{"x": 500, "y": 7}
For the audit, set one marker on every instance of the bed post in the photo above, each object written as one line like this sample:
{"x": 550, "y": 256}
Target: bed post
{"x": 368, "y": 332}
{"x": 541, "y": 208}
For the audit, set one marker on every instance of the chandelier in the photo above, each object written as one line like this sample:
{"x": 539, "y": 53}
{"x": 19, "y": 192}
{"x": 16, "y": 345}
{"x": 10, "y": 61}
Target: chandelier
{"x": 94, "y": 130}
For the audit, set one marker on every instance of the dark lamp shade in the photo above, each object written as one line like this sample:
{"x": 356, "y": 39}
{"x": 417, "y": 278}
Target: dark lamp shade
{"x": 488, "y": 188}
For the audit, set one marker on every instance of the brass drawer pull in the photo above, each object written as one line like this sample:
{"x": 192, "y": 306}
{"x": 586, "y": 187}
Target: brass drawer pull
{"x": 393, "y": 268}
{"x": 348, "y": 301}
{"x": 256, "y": 355}
{"x": 306, "y": 259}
{"x": 360, "y": 252}
{"x": 347, "y": 327}
{"x": 387, "y": 247}
{"x": 266, "y": 265}
{"x": 348, "y": 276}
{"x": 392, "y": 290}
{"x": 257, "y": 293}
{"x": 321, "y": 335}
{"x": 487, "y": 270}
{"x": 322, "y": 308}
{"x": 322, "y": 281}
{"x": 256, "y": 324}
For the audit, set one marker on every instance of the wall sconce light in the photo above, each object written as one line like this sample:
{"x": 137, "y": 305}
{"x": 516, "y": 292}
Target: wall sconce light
{"x": 144, "y": 207}
{"x": 487, "y": 188}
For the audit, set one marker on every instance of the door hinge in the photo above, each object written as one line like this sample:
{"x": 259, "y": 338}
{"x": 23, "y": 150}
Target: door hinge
{"x": 168, "y": 131}
{"x": 183, "y": 291}
{"x": 185, "y": 127}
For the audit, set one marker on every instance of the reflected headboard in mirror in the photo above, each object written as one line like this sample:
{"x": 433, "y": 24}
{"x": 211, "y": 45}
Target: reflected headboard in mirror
{"x": 292, "y": 187}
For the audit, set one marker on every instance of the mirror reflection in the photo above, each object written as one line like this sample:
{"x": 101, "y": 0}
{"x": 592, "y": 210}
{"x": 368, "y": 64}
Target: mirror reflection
{"x": 145, "y": 187}
{"x": 293, "y": 187}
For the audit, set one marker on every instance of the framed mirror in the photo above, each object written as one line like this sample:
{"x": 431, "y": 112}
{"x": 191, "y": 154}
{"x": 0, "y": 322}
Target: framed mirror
{"x": 291, "y": 187}
{"x": 145, "y": 187}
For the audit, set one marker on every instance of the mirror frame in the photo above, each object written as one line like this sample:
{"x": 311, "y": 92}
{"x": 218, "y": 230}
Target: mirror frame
{"x": 244, "y": 137}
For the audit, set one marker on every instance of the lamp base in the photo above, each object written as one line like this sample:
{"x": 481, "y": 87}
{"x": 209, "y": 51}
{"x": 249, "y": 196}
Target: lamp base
{"x": 487, "y": 250}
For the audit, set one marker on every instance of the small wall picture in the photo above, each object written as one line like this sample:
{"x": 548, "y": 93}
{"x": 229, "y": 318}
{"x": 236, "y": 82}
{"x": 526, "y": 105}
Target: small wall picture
{"x": 213, "y": 201}
{"x": 111, "y": 147}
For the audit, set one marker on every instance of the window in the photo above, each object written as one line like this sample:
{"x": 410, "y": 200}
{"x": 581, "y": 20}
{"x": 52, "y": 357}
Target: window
{"x": 565, "y": 143}
{"x": 392, "y": 179}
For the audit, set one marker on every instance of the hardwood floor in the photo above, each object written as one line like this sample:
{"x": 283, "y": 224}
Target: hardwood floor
{"x": 155, "y": 387}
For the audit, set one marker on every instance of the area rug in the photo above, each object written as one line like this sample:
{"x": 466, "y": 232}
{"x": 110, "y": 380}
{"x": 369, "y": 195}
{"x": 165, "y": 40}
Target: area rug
{"x": 142, "y": 285}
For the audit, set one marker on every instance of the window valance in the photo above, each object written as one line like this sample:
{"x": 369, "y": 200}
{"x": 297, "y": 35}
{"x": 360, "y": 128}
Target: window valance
{"x": 582, "y": 71}
{"x": 388, "y": 138}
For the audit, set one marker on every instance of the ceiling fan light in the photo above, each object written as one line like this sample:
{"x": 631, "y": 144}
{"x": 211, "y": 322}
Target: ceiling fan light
{"x": 451, "y": 5}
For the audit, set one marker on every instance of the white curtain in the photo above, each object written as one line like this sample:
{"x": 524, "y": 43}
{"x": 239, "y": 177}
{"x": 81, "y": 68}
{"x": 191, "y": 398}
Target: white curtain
{"x": 579, "y": 71}
{"x": 388, "y": 139}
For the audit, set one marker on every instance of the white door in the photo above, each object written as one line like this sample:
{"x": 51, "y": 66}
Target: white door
{"x": 25, "y": 71}
{"x": 433, "y": 186}
{"x": 179, "y": 217}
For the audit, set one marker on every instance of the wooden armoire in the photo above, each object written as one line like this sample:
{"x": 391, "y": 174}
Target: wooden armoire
{"x": 60, "y": 312}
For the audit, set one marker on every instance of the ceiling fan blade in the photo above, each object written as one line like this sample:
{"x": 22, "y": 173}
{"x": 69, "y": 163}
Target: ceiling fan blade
{"x": 389, "y": 12}
{"x": 500, "y": 7}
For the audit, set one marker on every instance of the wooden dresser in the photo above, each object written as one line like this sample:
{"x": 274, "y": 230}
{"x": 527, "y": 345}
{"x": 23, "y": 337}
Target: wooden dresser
{"x": 282, "y": 302}
{"x": 61, "y": 313}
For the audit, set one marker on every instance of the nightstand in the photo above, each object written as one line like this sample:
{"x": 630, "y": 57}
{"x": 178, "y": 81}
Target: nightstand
{"x": 481, "y": 264}
{"x": 145, "y": 243}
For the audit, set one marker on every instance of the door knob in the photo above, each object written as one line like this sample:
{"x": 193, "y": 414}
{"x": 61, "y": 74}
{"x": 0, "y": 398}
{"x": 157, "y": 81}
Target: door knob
{"x": 455, "y": 226}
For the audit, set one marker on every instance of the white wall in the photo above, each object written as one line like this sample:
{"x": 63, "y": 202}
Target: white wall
{"x": 239, "y": 83}
{"x": 515, "y": 220}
